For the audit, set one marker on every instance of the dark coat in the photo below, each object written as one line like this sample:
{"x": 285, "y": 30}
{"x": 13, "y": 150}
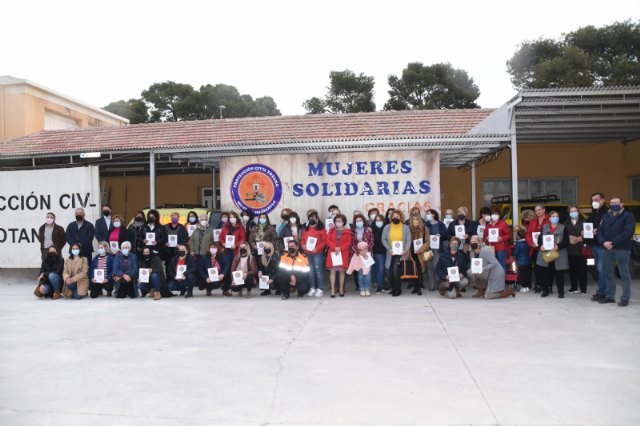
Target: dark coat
{"x": 102, "y": 231}
{"x": 58, "y": 236}
{"x": 94, "y": 265}
{"x": 192, "y": 267}
{"x": 617, "y": 229}
{"x": 446, "y": 261}
{"x": 83, "y": 236}
{"x": 522, "y": 253}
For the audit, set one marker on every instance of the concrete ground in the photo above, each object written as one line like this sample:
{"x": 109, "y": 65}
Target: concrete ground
{"x": 380, "y": 360}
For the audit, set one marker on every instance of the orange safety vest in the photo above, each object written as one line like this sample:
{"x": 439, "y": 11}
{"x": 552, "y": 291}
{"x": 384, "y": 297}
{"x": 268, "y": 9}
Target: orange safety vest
{"x": 295, "y": 264}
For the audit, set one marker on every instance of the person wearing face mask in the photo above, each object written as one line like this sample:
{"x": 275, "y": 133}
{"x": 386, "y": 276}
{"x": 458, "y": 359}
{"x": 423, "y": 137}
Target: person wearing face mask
{"x": 247, "y": 220}
{"x": 125, "y": 272}
{"x": 192, "y": 218}
{"x": 415, "y": 212}
{"x": 187, "y": 281}
{"x": 156, "y": 287}
{"x": 118, "y": 233}
{"x": 50, "y": 278}
{"x": 436, "y": 228}
{"x": 555, "y": 269}
{"x": 577, "y": 262}
{"x": 200, "y": 242}
{"x": 314, "y": 229}
{"x": 262, "y": 232}
{"x": 293, "y": 229}
{"x": 81, "y": 232}
{"x": 394, "y": 232}
{"x": 339, "y": 242}
{"x": 103, "y": 260}
{"x": 614, "y": 234}
{"x": 246, "y": 263}
{"x": 490, "y": 283}
{"x": 419, "y": 231}
{"x": 224, "y": 220}
{"x": 461, "y": 219}
{"x": 104, "y": 224}
{"x": 379, "y": 256}
{"x": 213, "y": 260}
{"x": 233, "y": 227}
{"x": 136, "y": 232}
{"x": 484, "y": 217}
{"x": 535, "y": 226}
{"x": 333, "y": 212}
{"x": 153, "y": 225}
{"x": 268, "y": 265}
{"x": 372, "y": 214}
{"x": 51, "y": 234}
{"x": 293, "y": 271}
{"x": 501, "y": 247}
{"x": 75, "y": 274}
{"x": 174, "y": 228}
{"x": 598, "y": 210}
{"x": 284, "y": 216}
{"x": 522, "y": 254}
{"x": 360, "y": 232}
{"x": 452, "y": 258}
{"x": 448, "y": 217}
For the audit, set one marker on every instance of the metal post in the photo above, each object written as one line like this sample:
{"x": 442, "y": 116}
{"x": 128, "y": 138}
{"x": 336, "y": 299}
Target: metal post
{"x": 214, "y": 202}
{"x": 473, "y": 190}
{"x": 515, "y": 211}
{"x": 152, "y": 180}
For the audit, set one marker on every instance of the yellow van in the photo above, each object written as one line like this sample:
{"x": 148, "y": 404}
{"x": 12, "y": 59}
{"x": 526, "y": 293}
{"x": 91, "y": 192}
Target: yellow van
{"x": 166, "y": 210}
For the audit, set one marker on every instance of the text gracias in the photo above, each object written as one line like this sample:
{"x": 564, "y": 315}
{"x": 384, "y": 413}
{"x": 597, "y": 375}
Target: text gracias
{"x": 361, "y": 168}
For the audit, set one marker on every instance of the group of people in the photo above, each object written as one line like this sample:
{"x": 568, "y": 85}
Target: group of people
{"x": 380, "y": 251}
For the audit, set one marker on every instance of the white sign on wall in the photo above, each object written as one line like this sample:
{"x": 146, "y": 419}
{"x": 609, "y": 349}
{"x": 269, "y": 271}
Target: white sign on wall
{"x": 25, "y": 198}
{"x": 350, "y": 180}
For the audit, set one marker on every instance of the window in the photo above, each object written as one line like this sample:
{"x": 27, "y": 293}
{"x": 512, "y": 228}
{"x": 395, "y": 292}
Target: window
{"x": 634, "y": 186}
{"x": 58, "y": 122}
{"x": 564, "y": 188}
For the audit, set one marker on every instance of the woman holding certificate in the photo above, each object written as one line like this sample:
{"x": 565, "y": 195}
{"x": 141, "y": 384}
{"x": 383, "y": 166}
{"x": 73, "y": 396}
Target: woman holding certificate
{"x": 151, "y": 277}
{"x": 577, "y": 262}
{"x": 182, "y": 272}
{"x": 268, "y": 263}
{"x": 212, "y": 269}
{"x": 553, "y": 260}
{"x": 75, "y": 274}
{"x": 100, "y": 271}
{"x": 461, "y": 228}
{"x": 396, "y": 238}
{"x": 360, "y": 232}
{"x": 498, "y": 235}
{"x": 313, "y": 242}
{"x": 231, "y": 236}
{"x": 154, "y": 235}
{"x": 437, "y": 236}
{"x": 244, "y": 271}
{"x": 263, "y": 232}
{"x": 118, "y": 234}
{"x": 339, "y": 244}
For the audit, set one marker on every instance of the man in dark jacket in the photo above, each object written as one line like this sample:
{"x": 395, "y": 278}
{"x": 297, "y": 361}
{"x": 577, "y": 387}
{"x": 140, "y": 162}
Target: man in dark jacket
{"x": 615, "y": 233}
{"x": 81, "y": 232}
{"x": 104, "y": 225}
{"x": 599, "y": 209}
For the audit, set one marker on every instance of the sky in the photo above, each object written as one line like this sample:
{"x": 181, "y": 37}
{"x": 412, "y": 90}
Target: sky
{"x": 102, "y": 51}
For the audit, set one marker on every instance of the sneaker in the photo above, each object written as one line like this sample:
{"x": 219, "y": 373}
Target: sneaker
{"x": 319, "y": 292}
{"x": 367, "y": 293}
{"x": 576, "y": 291}
{"x": 379, "y": 291}
{"x": 312, "y": 292}
{"x": 362, "y": 293}
{"x": 623, "y": 303}
{"x": 606, "y": 300}
{"x": 597, "y": 297}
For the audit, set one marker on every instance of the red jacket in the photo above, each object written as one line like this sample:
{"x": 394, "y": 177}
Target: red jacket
{"x": 344, "y": 243}
{"x": 319, "y": 234}
{"x": 535, "y": 226}
{"x": 504, "y": 235}
{"x": 238, "y": 231}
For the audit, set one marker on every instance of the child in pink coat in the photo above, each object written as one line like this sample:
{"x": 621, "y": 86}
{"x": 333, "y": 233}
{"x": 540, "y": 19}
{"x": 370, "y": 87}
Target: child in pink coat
{"x": 361, "y": 262}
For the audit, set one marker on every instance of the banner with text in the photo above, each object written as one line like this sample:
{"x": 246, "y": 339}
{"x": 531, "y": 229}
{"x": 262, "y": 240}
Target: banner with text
{"x": 350, "y": 180}
{"x": 25, "y": 198}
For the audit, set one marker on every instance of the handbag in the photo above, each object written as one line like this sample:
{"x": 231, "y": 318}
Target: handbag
{"x": 409, "y": 270}
{"x": 550, "y": 255}
{"x": 586, "y": 251}
{"x": 427, "y": 255}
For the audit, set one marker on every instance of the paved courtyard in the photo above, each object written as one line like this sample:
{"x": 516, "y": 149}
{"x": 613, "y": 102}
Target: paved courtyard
{"x": 410, "y": 360}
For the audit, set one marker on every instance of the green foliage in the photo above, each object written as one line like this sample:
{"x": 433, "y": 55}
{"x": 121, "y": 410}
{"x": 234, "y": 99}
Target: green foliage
{"x": 431, "y": 87}
{"x": 314, "y": 106}
{"x": 589, "y": 56}
{"x": 347, "y": 93}
{"x": 170, "y": 101}
{"x": 134, "y": 109}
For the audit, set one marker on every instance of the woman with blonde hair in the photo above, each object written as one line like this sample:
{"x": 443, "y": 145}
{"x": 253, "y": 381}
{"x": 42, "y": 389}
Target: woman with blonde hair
{"x": 104, "y": 261}
{"x": 268, "y": 265}
{"x": 245, "y": 263}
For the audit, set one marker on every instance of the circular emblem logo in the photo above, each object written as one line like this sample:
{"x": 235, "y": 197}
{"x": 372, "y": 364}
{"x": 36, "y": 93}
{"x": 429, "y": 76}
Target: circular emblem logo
{"x": 256, "y": 187}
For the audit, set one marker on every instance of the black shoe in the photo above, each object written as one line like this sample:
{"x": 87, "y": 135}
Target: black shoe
{"x": 606, "y": 300}
{"x": 573, "y": 291}
{"x": 419, "y": 293}
{"x": 379, "y": 291}
{"x": 341, "y": 294}
{"x": 560, "y": 295}
{"x": 278, "y": 292}
{"x": 623, "y": 303}
{"x": 333, "y": 296}
{"x": 189, "y": 294}
{"x": 284, "y": 297}
{"x": 142, "y": 294}
{"x": 544, "y": 294}
{"x": 395, "y": 294}
{"x": 464, "y": 290}
{"x": 414, "y": 291}
{"x": 537, "y": 289}
{"x": 597, "y": 297}
{"x": 182, "y": 292}
{"x": 300, "y": 295}
{"x": 265, "y": 293}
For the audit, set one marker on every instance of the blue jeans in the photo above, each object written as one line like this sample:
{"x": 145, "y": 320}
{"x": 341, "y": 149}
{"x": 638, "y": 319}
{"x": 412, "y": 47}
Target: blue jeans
{"x": 598, "y": 256}
{"x": 364, "y": 281}
{"x": 53, "y": 283}
{"x": 377, "y": 270}
{"x": 154, "y": 282}
{"x": 610, "y": 259}
{"x": 316, "y": 264}
{"x": 502, "y": 258}
{"x": 74, "y": 289}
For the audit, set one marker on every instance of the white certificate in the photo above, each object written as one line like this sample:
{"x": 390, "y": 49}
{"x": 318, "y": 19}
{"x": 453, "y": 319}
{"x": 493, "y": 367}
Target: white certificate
{"x": 417, "y": 244}
{"x": 173, "y": 240}
{"x": 453, "y": 274}
{"x": 180, "y": 270}
{"x": 588, "y": 230}
{"x": 435, "y": 242}
{"x": 548, "y": 242}
{"x": 230, "y": 242}
{"x": 264, "y": 282}
{"x": 191, "y": 229}
{"x": 260, "y": 247}
{"x": 480, "y": 232}
{"x": 213, "y": 274}
{"x": 145, "y": 273}
{"x": 216, "y": 235}
{"x": 98, "y": 275}
{"x": 396, "y": 248}
{"x": 476, "y": 266}
{"x": 447, "y": 222}
{"x": 534, "y": 237}
{"x": 311, "y": 243}
{"x": 336, "y": 258}
{"x": 368, "y": 261}
{"x": 286, "y": 242}
{"x": 329, "y": 223}
{"x": 113, "y": 245}
{"x": 151, "y": 238}
{"x": 460, "y": 231}
{"x": 494, "y": 233}
{"x": 237, "y": 278}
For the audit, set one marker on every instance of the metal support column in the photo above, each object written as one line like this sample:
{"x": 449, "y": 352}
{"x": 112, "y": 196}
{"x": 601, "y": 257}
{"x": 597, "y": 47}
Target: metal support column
{"x": 474, "y": 205}
{"x": 214, "y": 198}
{"x": 515, "y": 211}
{"x": 152, "y": 180}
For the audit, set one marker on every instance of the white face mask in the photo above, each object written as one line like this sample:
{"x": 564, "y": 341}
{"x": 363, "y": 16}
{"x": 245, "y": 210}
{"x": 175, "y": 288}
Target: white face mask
{"x": 495, "y": 217}
{"x": 372, "y": 216}
{"x": 379, "y": 224}
{"x": 245, "y": 218}
{"x": 293, "y": 220}
{"x": 224, "y": 219}
{"x": 487, "y": 217}
{"x": 233, "y": 220}
{"x": 429, "y": 217}
{"x": 49, "y": 221}
{"x": 595, "y": 205}
{"x": 117, "y": 224}
{"x": 203, "y": 222}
